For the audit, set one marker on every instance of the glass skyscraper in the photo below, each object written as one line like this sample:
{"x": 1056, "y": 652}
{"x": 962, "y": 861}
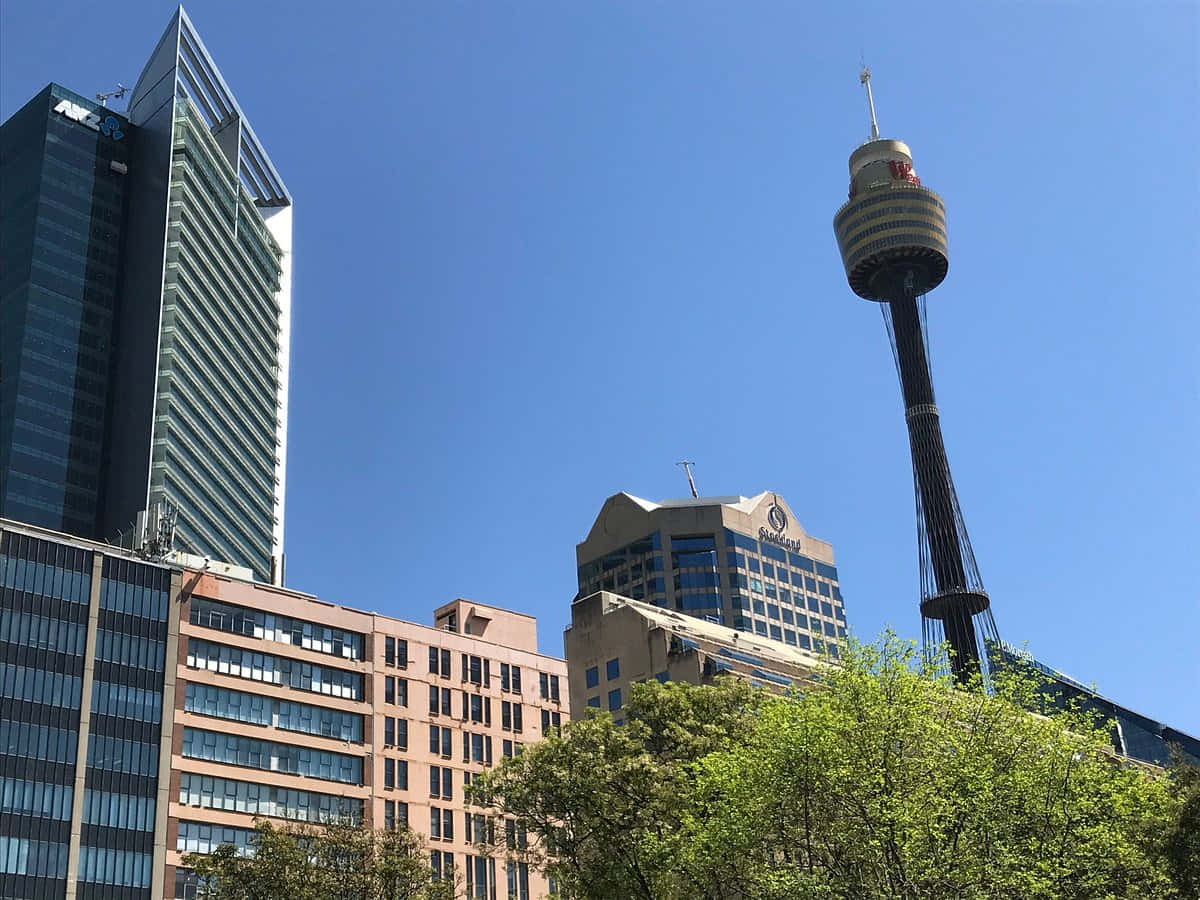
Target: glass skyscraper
{"x": 62, "y": 205}
{"x": 146, "y": 310}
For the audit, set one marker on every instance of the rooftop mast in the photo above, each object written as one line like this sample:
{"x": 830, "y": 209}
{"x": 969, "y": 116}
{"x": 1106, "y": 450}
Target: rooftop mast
{"x": 864, "y": 77}
{"x": 687, "y": 467}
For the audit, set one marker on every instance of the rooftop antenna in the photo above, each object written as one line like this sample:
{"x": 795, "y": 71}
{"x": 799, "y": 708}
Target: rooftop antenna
{"x": 687, "y": 467}
{"x": 120, "y": 92}
{"x": 864, "y": 77}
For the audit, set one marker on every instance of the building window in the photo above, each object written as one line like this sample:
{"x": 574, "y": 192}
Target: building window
{"x": 441, "y": 782}
{"x": 439, "y": 741}
{"x": 510, "y": 678}
{"x": 510, "y": 716}
{"x": 551, "y": 720}
{"x": 614, "y": 699}
{"x": 594, "y": 701}
{"x": 612, "y": 669}
{"x": 549, "y": 686}
{"x": 592, "y": 676}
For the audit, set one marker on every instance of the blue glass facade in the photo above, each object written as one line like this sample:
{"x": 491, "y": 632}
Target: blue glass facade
{"x": 121, "y": 780}
{"x": 44, "y": 594}
{"x": 46, "y": 599}
{"x": 62, "y": 204}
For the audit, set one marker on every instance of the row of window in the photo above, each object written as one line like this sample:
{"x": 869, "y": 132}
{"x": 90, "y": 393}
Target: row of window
{"x": 477, "y": 670}
{"x": 39, "y": 686}
{"x": 124, "y": 702}
{"x": 25, "y": 797}
{"x": 271, "y": 756}
{"x": 281, "y": 629}
{"x": 114, "y": 754}
{"x": 124, "y": 811}
{"x": 209, "y": 792}
{"x": 28, "y": 629}
{"x": 38, "y": 743}
{"x": 210, "y": 700}
{"x": 123, "y": 868}
{"x": 272, "y": 669}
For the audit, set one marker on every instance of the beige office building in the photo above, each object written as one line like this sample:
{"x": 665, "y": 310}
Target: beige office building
{"x": 614, "y": 642}
{"x": 743, "y": 562}
{"x": 150, "y": 709}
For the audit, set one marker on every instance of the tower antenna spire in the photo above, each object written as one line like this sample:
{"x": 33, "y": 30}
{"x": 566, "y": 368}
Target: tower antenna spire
{"x": 864, "y": 78}
{"x": 687, "y": 467}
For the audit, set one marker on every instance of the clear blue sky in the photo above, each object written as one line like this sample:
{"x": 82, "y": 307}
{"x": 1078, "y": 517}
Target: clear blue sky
{"x": 545, "y": 250}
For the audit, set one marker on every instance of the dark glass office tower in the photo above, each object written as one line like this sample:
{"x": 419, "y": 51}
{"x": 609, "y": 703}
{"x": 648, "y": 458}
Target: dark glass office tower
{"x": 63, "y": 166}
{"x": 145, "y": 305}
{"x": 81, "y": 726}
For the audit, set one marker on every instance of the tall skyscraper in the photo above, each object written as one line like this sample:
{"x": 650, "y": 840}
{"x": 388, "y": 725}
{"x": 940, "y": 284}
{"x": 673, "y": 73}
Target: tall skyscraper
{"x": 892, "y": 238}
{"x": 743, "y": 562}
{"x": 146, "y": 300}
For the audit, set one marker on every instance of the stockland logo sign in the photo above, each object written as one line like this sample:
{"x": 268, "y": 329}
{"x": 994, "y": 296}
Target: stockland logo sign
{"x": 109, "y": 126}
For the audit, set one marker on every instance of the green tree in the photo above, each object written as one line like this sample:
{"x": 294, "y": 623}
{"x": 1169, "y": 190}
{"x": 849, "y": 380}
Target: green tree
{"x": 1181, "y": 846}
{"x": 881, "y": 780}
{"x": 339, "y": 860}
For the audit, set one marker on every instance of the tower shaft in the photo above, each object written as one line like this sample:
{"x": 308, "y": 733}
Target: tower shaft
{"x": 951, "y": 588}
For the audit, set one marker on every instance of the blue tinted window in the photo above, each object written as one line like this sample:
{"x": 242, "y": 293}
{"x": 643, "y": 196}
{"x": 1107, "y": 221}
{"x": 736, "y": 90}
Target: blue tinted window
{"x": 776, "y": 553}
{"x": 827, "y": 571}
{"x": 734, "y": 539}
{"x": 776, "y": 633}
{"x": 760, "y": 628}
{"x": 839, "y": 613}
{"x": 785, "y": 596}
{"x": 823, "y": 588}
{"x": 655, "y": 564}
{"x": 707, "y": 559}
{"x": 769, "y": 590}
{"x": 739, "y": 602}
{"x": 735, "y": 560}
{"x": 592, "y": 676}
{"x": 593, "y": 701}
{"x": 756, "y": 585}
{"x": 833, "y": 651}
{"x": 801, "y": 620}
{"x": 686, "y": 580}
{"x": 800, "y": 562}
{"x": 738, "y": 580}
{"x": 803, "y": 639}
{"x": 789, "y": 636}
{"x": 841, "y": 631}
{"x": 700, "y": 601}
{"x": 614, "y": 699}
{"x": 826, "y": 609}
{"x": 810, "y": 583}
{"x": 768, "y": 570}
{"x": 612, "y": 669}
{"x": 741, "y": 623}
{"x": 830, "y": 629}
{"x": 655, "y": 585}
{"x": 760, "y": 608}
{"x": 814, "y": 604}
{"x": 772, "y": 611}
{"x": 704, "y": 542}
{"x": 752, "y": 564}
{"x": 788, "y": 616}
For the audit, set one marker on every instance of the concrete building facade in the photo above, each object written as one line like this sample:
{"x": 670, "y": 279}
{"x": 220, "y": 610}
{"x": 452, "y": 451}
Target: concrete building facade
{"x": 744, "y": 562}
{"x": 614, "y": 642}
{"x": 168, "y": 706}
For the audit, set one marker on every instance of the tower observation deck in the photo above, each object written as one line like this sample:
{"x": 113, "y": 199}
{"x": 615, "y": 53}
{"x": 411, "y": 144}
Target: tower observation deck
{"x": 892, "y": 237}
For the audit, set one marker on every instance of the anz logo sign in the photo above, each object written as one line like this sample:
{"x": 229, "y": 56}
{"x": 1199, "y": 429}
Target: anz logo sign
{"x": 109, "y": 126}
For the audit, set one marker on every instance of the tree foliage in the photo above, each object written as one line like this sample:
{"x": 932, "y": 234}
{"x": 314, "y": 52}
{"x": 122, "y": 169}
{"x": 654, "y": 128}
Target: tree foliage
{"x": 340, "y": 860}
{"x": 881, "y": 780}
